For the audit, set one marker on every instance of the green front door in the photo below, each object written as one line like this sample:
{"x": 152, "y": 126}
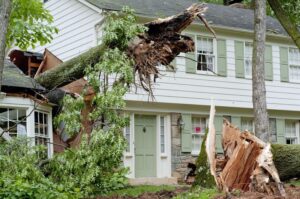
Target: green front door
{"x": 145, "y": 146}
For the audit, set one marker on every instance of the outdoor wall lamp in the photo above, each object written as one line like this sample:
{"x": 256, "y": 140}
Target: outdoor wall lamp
{"x": 180, "y": 122}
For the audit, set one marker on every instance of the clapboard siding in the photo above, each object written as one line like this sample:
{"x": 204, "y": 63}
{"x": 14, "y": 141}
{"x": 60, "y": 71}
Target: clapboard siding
{"x": 76, "y": 24}
{"x": 198, "y": 89}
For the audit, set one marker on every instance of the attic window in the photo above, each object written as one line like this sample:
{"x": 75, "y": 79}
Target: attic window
{"x": 205, "y": 54}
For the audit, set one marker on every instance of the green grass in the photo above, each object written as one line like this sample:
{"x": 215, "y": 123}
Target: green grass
{"x": 135, "y": 191}
{"x": 199, "y": 193}
{"x": 294, "y": 182}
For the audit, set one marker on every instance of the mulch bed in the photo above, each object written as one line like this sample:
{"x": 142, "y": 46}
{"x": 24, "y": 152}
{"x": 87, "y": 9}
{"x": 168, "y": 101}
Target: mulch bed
{"x": 292, "y": 191}
{"x": 158, "y": 195}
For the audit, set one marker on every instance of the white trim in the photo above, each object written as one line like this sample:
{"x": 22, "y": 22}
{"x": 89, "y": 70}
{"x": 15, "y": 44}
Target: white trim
{"x": 95, "y": 8}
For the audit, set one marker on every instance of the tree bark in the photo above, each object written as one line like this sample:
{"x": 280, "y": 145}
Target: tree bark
{"x": 261, "y": 118}
{"x": 286, "y": 21}
{"x": 5, "y": 10}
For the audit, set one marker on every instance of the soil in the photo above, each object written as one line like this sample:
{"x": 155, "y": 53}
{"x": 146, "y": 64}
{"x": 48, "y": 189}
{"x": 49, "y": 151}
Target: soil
{"x": 292, "y": 191}
{"x": 158, "y": 195}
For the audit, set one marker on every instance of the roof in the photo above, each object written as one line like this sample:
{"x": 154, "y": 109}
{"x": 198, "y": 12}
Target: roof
{"x": 14, "y": 77}
{"x": 216, "y": 15}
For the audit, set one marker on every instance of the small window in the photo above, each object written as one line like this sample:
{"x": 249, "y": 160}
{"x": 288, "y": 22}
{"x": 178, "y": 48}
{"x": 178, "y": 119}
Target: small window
{"x": 162, "y": 135}
{"x": 205, "y": 54}
{"x": 248, "y": 59}
{"x": 41, "y": 131}
{"x": 291, "y": 132}
{"x": 13, "y": 121}
{"x": 294, "y": 64}
{"x": 272, "y": 129}
{"x": 198, "y": 133}
{"x": 247, "y": 124}
{"x": 127, "y": 137}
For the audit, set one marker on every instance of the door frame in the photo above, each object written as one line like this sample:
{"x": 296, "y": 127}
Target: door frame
{"x": 163, "y": 161}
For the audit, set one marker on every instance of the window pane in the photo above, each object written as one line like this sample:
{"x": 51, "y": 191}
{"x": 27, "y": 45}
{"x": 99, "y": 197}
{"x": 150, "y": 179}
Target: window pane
{"x": 247, "y": 124}
{"x": 248, "y": 59}
{"x": 272, "y": 129}
{"x": 205, "y": 54}
{"x": 162, "y": 134}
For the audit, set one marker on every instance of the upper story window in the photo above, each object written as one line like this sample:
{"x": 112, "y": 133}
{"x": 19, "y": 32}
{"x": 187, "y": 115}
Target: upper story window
{"x": 248, "y": 59}
{"x": 13, "y": 121}
{"x": 294, "y": 64}
{"x": 247, "y": 124}
{"x": 292, "y": 132}
{"x": 205, "y": 54}
{"x": 198, "y": 133}
{"x": 42, "y": 136}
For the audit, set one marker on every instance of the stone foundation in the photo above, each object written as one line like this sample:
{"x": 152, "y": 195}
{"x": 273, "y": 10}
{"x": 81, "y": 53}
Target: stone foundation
{"x": 179, "y": 160}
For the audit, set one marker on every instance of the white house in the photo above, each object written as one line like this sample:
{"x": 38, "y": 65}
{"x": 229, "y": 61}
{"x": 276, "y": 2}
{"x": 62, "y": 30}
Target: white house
{"x": 158, "y": 148}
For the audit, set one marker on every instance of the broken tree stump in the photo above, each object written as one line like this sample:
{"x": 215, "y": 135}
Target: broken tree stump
{"x": 247, "y": 164}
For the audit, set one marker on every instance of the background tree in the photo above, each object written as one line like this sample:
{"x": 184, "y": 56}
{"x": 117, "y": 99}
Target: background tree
{"x": 261, "y": 118}
{"x": 5, "y": 10}
{"x": 23, "y": 23}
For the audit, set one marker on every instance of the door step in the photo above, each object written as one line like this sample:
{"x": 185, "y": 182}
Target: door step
{"x": 153, "y": 181}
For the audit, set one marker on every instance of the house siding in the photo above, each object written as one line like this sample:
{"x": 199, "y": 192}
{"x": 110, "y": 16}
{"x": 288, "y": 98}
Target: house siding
{"x": 199, "y": 89}
{"x": 76, "y": 23}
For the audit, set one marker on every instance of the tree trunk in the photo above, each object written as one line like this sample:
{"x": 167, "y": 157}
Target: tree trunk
{"x": 261, "y": 118}
{"x": 286, "y": 21}
{"x": 5, "y": 10}
{"x": 287, "y": 160}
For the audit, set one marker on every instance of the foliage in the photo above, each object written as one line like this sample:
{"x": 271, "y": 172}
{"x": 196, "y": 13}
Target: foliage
{"x": 203, "y": 175}
{"x": 199, "y": 193}
{"x": 29, "y": 24}
{"x": 135, "y": 191}
{"x": 95, "y": 166}
{"x": 20, "y": 176}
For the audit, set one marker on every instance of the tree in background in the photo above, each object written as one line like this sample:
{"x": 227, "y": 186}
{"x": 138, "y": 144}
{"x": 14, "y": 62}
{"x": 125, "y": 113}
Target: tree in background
{"x": 261, "y": 118}
{"x": 24, "y": 23}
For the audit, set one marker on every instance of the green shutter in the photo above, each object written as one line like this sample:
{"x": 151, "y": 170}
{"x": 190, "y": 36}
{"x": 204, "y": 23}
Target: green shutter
{"x": 239, "y": 59}
{"x": 284, "y": 66}
{"x": 190, "y": 63}
{"x": 280, "y": 131}
{"x": 221, "y": 62}
{"x": 268, "y": 63}
{"x": 186, "y": 133}
{"x": 236, "y": 121}
{"x": 219, "y": 126}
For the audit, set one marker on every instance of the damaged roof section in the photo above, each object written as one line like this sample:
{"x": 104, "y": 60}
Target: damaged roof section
{"x": 216, "y": 15}
{"x": 14, "y": 78}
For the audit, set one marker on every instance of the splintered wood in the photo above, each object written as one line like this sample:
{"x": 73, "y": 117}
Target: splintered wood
{"x": 247, "y": 163}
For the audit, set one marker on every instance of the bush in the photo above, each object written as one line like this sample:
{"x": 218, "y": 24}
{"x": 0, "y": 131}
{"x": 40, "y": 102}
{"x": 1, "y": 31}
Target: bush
{"x": 21, "y": 177}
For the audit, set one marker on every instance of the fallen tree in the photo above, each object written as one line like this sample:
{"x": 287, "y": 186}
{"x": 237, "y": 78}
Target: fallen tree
{"x": 160, "y": 44}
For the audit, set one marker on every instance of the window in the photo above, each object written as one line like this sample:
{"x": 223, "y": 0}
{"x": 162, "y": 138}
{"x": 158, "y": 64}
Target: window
{"x": 248, "y": 59}
{"x": 272, "y": 129}
{"x": 227, "y": 117}
{"x": 294, "y": 64}
{"x": 41, "y": 131}
{"x": 13, "y": 121}
{"x": 247, "y": 124}
{"x": 162, "y": 135}
{"x": 205, "y": 54}
{"x": 127, "y": 137}
{"x": 198, "y": 133}
{"x": 291, "y": 132}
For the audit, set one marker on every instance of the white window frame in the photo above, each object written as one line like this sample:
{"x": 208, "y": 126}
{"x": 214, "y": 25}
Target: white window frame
{"x": 291, "y": 64}
{"x": 246, "y": 58}
{"x": 43, "y": 136}
{"x": 17, "y": 122}
{"x": 202, "y": 134}
{"x": 215, "y": 67}
{"x": 162, "y": 143}
{"x": 253, "y": 126}
{"x": 297, "y": 127}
